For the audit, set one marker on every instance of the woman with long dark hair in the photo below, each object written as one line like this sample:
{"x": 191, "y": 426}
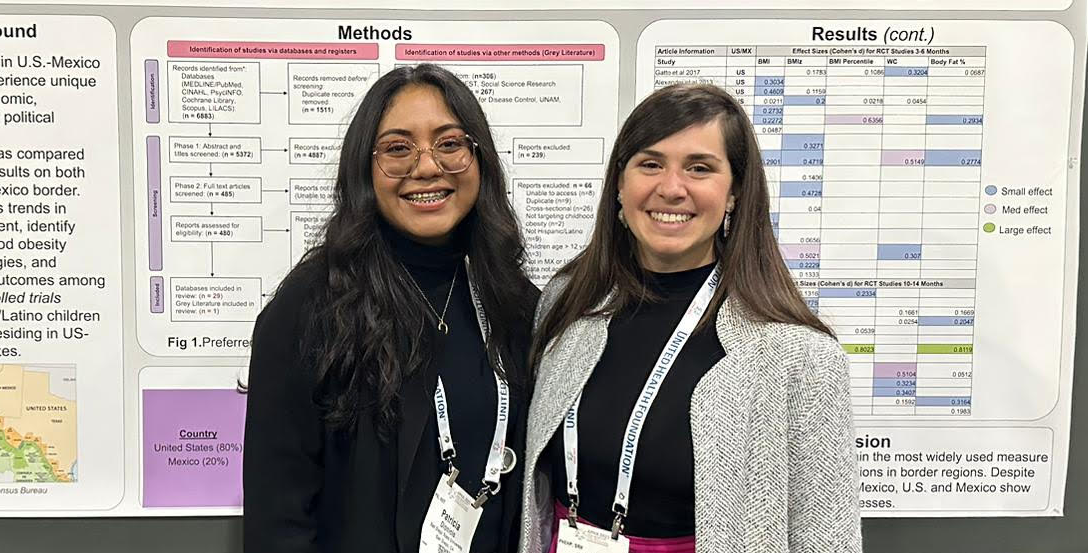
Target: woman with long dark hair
{"x": 677, "y": 339}
{"x": 388, "y": 376}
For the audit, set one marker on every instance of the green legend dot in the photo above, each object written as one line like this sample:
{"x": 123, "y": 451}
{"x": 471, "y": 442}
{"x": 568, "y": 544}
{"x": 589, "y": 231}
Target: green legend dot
{"x": 988, "y": 227}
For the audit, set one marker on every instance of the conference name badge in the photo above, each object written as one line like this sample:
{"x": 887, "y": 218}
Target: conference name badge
{"x": 587, "y": 539}
{"x": 451, "y": 520}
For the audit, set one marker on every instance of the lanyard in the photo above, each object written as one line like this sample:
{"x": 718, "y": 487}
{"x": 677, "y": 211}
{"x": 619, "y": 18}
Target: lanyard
{"x": 637, "y": 420}
{"x": 496, "y": 457}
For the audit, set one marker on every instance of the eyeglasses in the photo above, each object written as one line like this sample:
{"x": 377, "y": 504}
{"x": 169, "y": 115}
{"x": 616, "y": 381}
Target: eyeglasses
{"x": 397, "y": 158}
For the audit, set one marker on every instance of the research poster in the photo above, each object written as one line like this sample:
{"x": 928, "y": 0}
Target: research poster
{"x": 162, "y": 169}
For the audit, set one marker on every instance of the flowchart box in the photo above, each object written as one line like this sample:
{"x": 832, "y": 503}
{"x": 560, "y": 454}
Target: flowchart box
{"x": 217, "y": 189}
{"x": 219, "y": 299}
{"x": 215, "y": 228}
{"x": 215, "y": 149}
{"x": 314, "y": 151}
{"x": 307, "y": 230}
{"x": 214, "y": 92}
{"x": 312, "y": 191}
{"x": 327, "y": 93}
{"x": 545, "y": 95}
{"x": 558, "y": 151}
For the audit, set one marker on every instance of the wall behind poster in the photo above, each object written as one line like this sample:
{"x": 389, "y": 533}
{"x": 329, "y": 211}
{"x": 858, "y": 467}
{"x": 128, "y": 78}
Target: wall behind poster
{"x": 923, "y": 167}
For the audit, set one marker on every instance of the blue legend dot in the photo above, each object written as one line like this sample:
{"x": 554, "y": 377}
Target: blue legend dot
{"x": 991, "y": 190}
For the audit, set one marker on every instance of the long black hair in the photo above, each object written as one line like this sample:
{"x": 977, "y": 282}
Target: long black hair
{"x": 753, "y": 269}
{"x": 366, "y": 333}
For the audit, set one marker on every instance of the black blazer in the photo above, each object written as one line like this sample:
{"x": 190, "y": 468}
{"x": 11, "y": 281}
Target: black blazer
{"x": 309, "y": 489}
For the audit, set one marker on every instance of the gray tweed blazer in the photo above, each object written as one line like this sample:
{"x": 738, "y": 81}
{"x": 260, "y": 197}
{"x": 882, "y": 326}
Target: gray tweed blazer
{"x": 772, "y": 433}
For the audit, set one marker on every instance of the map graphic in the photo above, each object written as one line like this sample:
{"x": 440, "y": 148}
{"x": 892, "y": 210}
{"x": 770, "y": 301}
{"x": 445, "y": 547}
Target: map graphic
{"x": 38, "y": 423}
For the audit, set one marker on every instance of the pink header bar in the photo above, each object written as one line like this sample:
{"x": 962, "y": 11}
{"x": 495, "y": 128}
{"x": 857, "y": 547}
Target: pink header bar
{"x": 273, "y": 50}
{"x": 500, "y": 52}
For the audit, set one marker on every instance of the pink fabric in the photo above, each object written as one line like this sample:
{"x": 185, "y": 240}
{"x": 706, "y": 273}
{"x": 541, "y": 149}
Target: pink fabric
{"x": 684, "y": 544}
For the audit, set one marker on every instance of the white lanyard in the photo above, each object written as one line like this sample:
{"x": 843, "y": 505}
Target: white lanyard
{"x": 635, "y": 423}
{"x": 499, "y": 459}
{"x": 494, "y": 468}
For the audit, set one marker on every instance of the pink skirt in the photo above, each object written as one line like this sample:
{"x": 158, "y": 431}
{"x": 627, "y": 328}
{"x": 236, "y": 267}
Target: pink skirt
{"x": 684, "y": 544}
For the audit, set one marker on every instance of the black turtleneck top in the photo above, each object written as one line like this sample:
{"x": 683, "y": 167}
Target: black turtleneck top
{"x": 461, "y": 362}
{"x": 662, "y": 503}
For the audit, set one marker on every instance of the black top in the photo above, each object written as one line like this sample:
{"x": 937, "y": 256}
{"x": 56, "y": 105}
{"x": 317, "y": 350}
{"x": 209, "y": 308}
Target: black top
{"x": 313, "y": 489}
{"x": 467, "y": 376}
{"x": 662, "y": 503}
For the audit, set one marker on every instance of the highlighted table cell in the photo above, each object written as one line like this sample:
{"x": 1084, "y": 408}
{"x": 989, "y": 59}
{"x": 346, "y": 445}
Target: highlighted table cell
{"x": 957, "y": 349}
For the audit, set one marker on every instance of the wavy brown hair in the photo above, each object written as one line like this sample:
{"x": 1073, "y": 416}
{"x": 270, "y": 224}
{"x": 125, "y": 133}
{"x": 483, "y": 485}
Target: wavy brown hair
{"x": 753, "y": 269}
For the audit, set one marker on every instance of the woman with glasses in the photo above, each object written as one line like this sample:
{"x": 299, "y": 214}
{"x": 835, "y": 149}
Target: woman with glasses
{"x": 388, "y": 377}
{"x": 686, "y": 398}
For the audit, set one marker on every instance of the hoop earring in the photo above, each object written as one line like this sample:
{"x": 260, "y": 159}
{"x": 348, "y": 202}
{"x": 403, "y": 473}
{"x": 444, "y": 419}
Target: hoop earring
{"x": 725, "y": 225}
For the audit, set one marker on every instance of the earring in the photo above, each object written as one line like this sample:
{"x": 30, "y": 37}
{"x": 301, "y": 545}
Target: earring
{"x": 619, "y": 214}
{"x": 725, "y": 225}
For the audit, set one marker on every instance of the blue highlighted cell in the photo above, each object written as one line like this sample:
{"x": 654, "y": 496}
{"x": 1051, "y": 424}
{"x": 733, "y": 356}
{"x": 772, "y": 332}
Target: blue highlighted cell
{"x": 772, "y": 158}
{"x": 953, "y": 158}
{"x": 803, "y": 264}
{"x": 954, "y": 119}
{"x": 895, "y": 383}
{"x": 802, "y": 158}
{"x": 847, "y": 292}
{"x": 804, "y": 100}
{"x": 940, "y": 401}
{"x": 768, "y": 110}
{"x": 946, "y": 321}
{"x": 894, "y": 392}
{"x": 770, "y": 91}
{"x": 801, "y": 189}
{"x": 771, "y": 81}
{"x": 899, "y": 252}
{"x": 897, "y": 71}
{"x": 802, "y": 142}
{"x": 767, "y": 120}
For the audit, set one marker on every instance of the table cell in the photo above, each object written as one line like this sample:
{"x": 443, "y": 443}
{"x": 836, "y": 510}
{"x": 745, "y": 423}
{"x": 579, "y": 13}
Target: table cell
{"x": 836, "y": 204}
{"x": 901, "y": 220}
{"x": 911, "y": 234}
{"x": 849, "y": 189}
{"x": 852, "y": 157}
{"x": 897, "y": 204}
{"x": 853, "y": 174}
{"x": 849, "y": 236}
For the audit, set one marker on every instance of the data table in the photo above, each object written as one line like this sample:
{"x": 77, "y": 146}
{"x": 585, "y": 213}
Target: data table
{"x": 874, "y": 163}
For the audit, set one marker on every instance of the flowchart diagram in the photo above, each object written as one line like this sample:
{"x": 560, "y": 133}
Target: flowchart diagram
{"x": 240, "y": 138}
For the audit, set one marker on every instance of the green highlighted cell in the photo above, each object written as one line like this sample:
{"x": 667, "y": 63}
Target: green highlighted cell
{"x": 989, "y": 227}
{"x": 859, "y": 348}
{"x": 955, "y": 349}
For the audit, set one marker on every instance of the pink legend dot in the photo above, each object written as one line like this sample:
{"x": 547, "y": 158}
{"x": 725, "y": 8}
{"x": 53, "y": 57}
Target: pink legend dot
{"x": 990, "y": 208}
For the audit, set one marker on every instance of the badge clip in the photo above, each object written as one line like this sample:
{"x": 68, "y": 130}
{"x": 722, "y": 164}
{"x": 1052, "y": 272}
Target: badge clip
{"x": 617, "y": 526}
{"x": 486, "y": 492}
{"x": 572, "y": 513}
{"x": 452, "y": 478}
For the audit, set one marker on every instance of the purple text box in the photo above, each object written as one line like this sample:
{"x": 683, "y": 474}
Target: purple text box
{"x": 192, "y": 448}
